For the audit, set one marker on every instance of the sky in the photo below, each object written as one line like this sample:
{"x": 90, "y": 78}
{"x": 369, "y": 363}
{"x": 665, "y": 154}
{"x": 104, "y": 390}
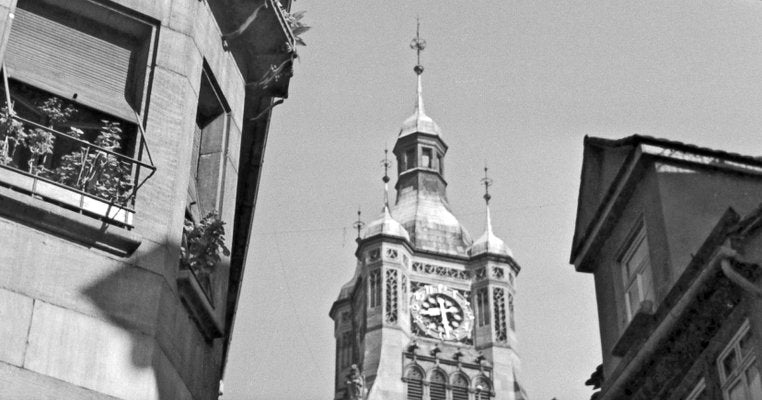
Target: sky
{"x": 513, "y": 84}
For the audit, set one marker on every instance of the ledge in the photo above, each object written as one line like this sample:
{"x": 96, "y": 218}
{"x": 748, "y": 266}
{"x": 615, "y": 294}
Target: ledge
{"x": 197, "y": 303}
{"x": 65, "y": 223}
{"x": 638, "y": 327}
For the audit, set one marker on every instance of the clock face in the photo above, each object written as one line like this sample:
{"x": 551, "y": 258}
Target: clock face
{"x": 442, "y": 312}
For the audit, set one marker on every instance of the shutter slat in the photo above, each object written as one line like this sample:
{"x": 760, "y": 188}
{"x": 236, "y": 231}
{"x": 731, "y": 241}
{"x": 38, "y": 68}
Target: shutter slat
{"x": 64, "y": 60}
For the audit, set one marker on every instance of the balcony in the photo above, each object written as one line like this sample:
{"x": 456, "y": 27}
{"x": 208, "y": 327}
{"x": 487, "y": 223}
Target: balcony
{"x": 89, "y": 177}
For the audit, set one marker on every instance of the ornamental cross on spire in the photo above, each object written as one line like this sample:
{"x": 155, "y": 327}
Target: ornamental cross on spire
{"x": 487, "y": 182}
{"x": 418, "y": 45}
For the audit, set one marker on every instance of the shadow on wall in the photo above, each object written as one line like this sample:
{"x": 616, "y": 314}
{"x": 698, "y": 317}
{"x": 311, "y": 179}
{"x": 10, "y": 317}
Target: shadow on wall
{"x": 150, "y": 348}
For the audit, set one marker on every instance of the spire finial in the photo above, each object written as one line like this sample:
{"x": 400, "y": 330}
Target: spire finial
{"x": 418, "y": 45}
{"x": 487, "y": 182}
{"x": 386, "y": 164}
{"x": 358, "y": 224}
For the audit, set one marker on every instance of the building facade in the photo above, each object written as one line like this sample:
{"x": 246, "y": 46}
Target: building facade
{"x": 670, "y": 232}
{"x": 428, "y": 313}
{"x": 131, "y": 135}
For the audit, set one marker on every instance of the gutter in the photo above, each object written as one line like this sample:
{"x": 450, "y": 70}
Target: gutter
{"x": 720, "y": 260}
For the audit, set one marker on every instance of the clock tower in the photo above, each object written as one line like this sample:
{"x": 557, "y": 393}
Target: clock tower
{"x": 428, "y": 314}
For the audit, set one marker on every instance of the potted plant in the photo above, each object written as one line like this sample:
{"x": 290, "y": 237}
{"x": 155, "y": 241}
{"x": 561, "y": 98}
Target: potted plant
{"x": 201, "y": 247}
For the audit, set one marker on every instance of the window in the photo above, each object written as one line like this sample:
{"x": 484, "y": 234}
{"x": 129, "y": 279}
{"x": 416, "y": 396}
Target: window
{"x": 440, "y": 163}
{"x": 78, "y": 49}
{"x": 737, "y": 365}
{"x": 414, "y": 382}
{"x": 438, "y": 386}
{"x": 77, "y": 73}
{"x": 482, "y": 389}
{"x": 410, "y": 159}
{"x": 482, "y": 307}
{"x": 698, "y": 392}
{"x": 460, "y": 387}
{"x": 426, "y": 158}
{"x": 636, "y": 272}
{"x": 374, "y": 288}
{"x": 207, "y": 169}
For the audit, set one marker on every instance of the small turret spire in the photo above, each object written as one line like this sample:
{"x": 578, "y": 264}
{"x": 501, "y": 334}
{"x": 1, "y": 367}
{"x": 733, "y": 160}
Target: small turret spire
{"x": 419, "y": 121}
{"x": 418, "y": 45}
{"x": 487, "y": 182}
{"x": 488, "y": 242}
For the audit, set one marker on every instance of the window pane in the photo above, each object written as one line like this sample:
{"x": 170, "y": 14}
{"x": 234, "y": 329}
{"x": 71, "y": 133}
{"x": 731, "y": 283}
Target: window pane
{"x": 730, "y": 363}
{"x": 646, "y": 282}
{"x": 752, "y": 377}
{"x": 426, "y": 158}
{"x": 736, "y": 392}
{"x": 746, "y": 344}
{"x": 633, "y": 300}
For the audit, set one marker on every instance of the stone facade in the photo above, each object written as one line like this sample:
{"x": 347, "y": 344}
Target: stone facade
{"x": 95, "y": 304}
{"x": 670, "y": 233}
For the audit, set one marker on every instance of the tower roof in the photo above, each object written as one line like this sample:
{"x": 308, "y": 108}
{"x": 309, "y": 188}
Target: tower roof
{"x": 385, "y": 225}
{"x": 489, "y": 243}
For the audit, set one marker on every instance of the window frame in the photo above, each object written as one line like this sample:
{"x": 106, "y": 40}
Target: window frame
{"x": 641, "y": 276}
{"x": 697, "y": 391}
{"x": 744, "y": 363}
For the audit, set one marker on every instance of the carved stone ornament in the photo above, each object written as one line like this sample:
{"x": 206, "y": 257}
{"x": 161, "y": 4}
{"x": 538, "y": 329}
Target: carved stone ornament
{"x": 442, "y": 312}
{"x": 356, "y": 384}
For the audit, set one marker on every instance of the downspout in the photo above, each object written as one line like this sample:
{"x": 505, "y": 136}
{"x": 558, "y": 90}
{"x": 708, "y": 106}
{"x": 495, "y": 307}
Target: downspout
{"x": 722, "y": 257}
{"x": 739, "y": 279}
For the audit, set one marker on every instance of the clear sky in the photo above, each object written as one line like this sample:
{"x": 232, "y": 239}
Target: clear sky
{"x": 515, "y": 84}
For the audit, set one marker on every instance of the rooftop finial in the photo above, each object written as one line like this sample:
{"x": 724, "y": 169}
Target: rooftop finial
{"x": 418, "y": 45}
{"x": 487, "y": 182}
{"x": 358, "y": 224}
{"x": 386, "y": 164}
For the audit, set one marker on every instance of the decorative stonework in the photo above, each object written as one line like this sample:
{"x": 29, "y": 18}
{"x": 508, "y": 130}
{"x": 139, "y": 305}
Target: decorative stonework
{"x": 374, "y": 255}
{"x": 391, "y": 254}
{"x": 403, "y": 285}
{"x": 510, "y": 312}
{"x": 440, "y": 270}
{"x": 498, "y": 301}
{"x": 405, "y": 261}
{"x": 498, "y": 273}
{"x": 392, "y": 295}
{"x": 480, "y": 274}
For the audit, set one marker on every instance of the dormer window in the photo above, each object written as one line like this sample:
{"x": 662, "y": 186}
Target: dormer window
{"x": 426, "y": 158}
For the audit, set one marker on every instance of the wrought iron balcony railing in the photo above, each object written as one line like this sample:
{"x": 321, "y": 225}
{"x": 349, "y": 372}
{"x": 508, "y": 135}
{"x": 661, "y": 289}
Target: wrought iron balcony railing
{"x": 70, "y": 171}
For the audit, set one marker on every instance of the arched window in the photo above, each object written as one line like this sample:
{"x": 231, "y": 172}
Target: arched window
{"x": 438, "y": 386}
{"x": 414, "y": 380}
{"x": 460, "y": 387}
{"x": 482, "y": 389}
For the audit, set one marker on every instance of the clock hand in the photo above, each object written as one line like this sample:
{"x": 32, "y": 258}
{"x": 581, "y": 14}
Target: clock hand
{"x": 443, "y": 311}
{"x": 430, "y": 311}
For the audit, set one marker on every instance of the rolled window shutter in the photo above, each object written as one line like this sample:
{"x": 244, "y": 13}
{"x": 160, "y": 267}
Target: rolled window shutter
{"x": 73, "y": 55}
